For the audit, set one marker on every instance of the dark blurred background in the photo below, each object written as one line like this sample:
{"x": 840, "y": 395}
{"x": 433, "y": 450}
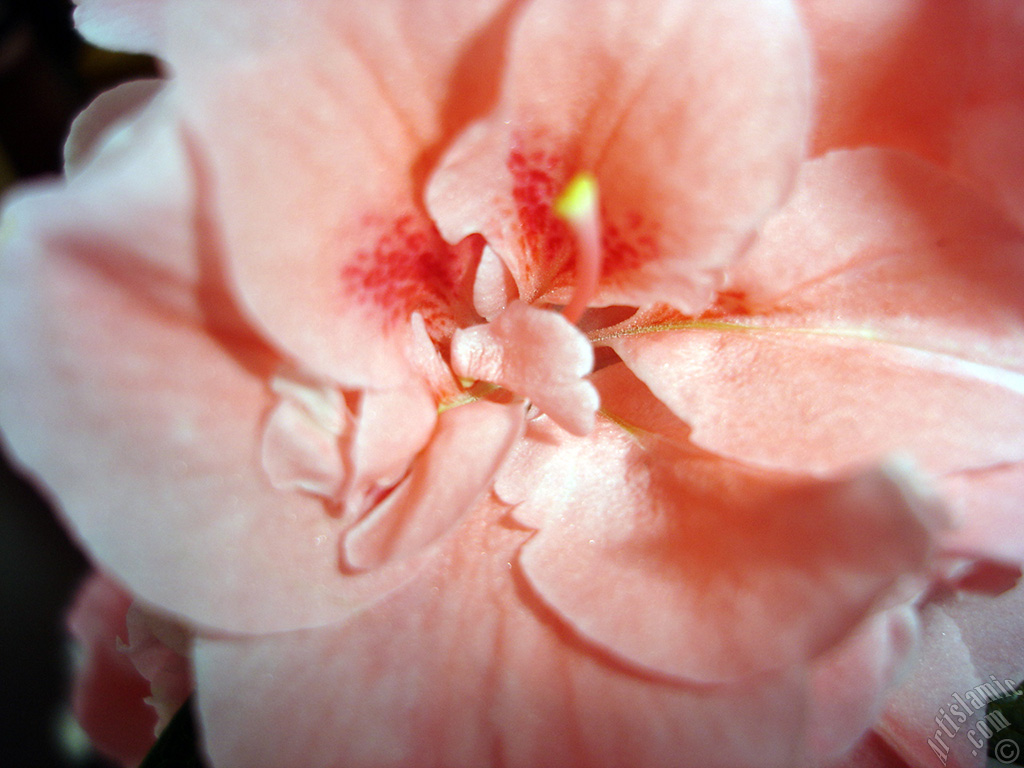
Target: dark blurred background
{"x": 47, "y": 75}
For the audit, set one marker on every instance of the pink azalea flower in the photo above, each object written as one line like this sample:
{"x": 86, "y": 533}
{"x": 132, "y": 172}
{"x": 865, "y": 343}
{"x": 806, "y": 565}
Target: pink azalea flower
{"x": 721, "y": 467}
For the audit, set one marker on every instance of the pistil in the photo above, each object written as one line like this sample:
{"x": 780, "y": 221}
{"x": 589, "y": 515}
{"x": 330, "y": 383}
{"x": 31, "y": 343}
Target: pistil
{"x": 580, "y": 207}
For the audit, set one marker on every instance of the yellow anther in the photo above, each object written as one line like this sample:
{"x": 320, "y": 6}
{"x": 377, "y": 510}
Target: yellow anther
{"x": 578, "y": 201}
{"x": 580, "y": 207}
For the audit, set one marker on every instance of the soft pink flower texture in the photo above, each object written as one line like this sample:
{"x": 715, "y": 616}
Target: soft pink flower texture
{"x": 286, "y": 348}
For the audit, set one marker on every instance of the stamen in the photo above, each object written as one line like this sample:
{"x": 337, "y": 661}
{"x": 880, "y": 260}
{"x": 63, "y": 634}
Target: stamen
{"x": 579, "y": 206}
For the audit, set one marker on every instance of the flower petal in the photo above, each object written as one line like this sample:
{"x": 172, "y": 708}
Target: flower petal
{"x": 989, "y": 152}
{"x": 315, "y": 119}
{"x": 123, "y": 393}
{"x": 538, "y": 355}
{"x": 668, "y": 106}
{"x": 882, "y": 286}
{"x": 893, "y": 73}
{"x": 878, "y": 244}
{"x": 427, "y": 359}
{"x": 802, "y": 402}
{"x": 136, "y": 26}
{"x": 493, "y": 286}
{"x": 990, "y": 506}
{"x": 852, "y": 682}
{"x": 103, "y": 122}
{"x": 159, "y": 650}
{"x": 649, "y": 548}
{"x": 300, "y": 449}
{"x": 463, "y": 669}
{"x": 142, "y": 164}
{"x": 445, "y": 483}
{"x": 942, "y": 80}
{"x": 973, "y": 644}
{"x": 109, "y": 693}
{"x": 392, "y": 427}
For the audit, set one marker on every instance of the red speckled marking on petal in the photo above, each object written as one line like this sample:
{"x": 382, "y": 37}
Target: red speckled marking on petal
{"x": 628, "y": 241}
{"x": 547, "y": 245}
{"x": 546, "y": 241}
{"x": 410, "y": 268}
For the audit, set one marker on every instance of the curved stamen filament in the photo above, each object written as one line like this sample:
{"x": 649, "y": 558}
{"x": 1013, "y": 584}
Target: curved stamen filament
{"x": 579, "y": 206}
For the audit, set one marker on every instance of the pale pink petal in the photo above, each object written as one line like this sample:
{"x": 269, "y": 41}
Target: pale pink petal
{"x": 300, "y": 447}
{"x": 987, "y": 146}
{"x": 322, "y": 402}
{"x": 134, "y": 196}
{"x": 537, "y": 354}
{"x": 892, "y": 72}
{"x": 805, "y": 402}
{"x": 990, "y": 506}
{"x": 315, "y": 120}
{"x": 169, "y": 426}
{"x": 973, "y": 650}
{"x": 493, "y": 287}
{"x": 648, "y": 548}
{"x": 123, "y": 25}
{"x": 880, "y": 312}
{"x": 878, "y": 244}
{"x": 989, "y": 151}
{"x": 141, "y": 415}
{"x": 942, "y": 80}
{"x": 850, "y": 684}
{"x": 463, "y": 669}
{"x": 667, "y": 104}
{"x": 428, "y": 361}
{"x": 109, "y": 693}
{"x": 298, "y": 455}
{"x": 447, "y": 481}
{"x": 393, "y": 425}
{"x": 101, "y": 124}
